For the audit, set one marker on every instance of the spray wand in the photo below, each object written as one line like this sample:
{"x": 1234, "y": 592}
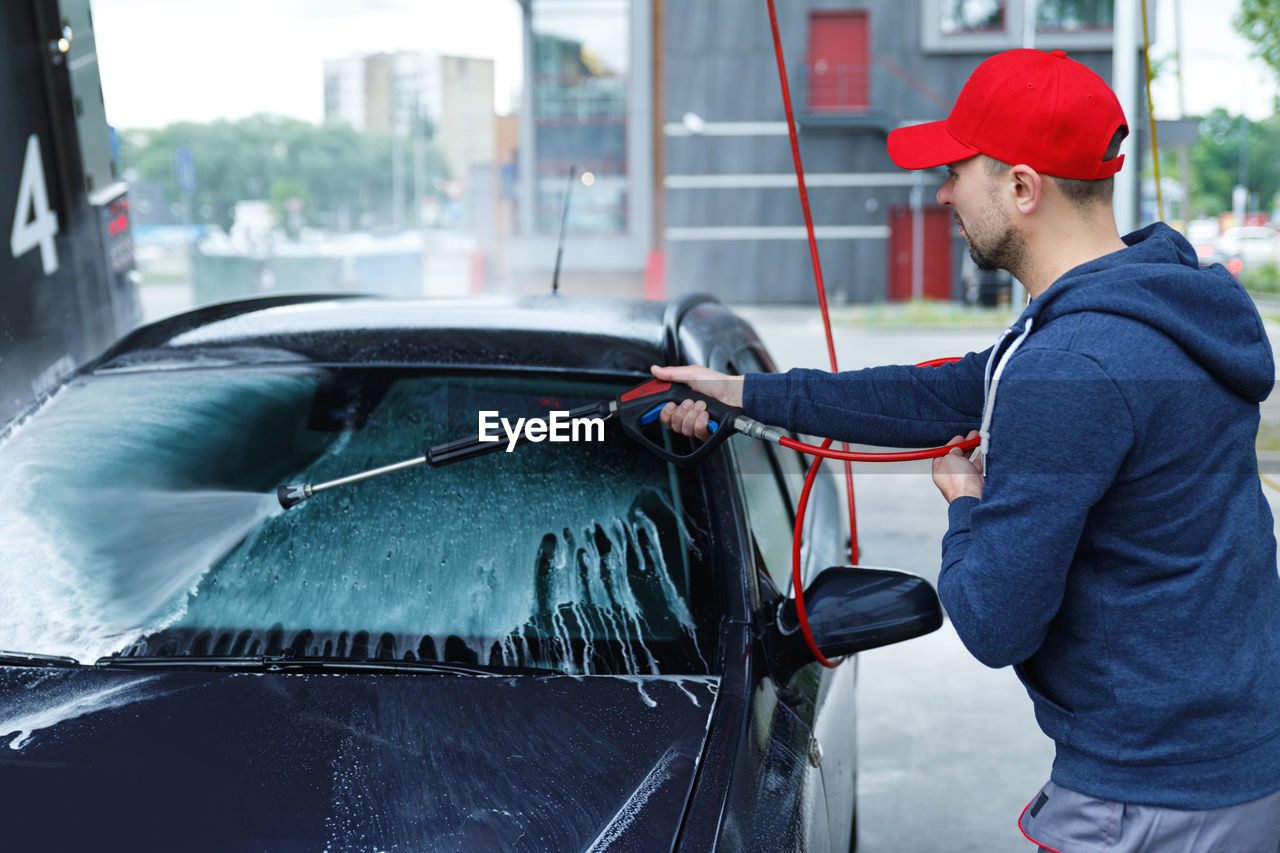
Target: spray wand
{"x": 635, "y": 409}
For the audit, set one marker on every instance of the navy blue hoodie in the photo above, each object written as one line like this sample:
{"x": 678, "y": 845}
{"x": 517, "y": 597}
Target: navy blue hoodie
{"x": 1121, "y": 557}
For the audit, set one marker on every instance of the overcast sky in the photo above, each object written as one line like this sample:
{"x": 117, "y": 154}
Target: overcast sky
{"x": 1217, "y": 71}
{"x": 162, "y": 60}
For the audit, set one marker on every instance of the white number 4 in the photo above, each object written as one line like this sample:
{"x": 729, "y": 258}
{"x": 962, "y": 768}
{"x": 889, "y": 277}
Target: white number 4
{"x": 34, "y": 224}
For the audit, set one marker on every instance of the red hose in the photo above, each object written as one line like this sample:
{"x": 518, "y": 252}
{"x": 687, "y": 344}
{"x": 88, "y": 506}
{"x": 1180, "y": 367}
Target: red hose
{"x": 873, "y": 456}
{"x": 825, "y": 452}
{"x": 797, "y": 582}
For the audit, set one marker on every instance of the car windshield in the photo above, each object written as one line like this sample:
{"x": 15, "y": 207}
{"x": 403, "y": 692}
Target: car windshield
{"x": 139, "y": 517}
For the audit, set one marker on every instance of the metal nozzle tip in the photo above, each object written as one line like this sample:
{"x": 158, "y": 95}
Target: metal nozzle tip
{"x": 290, "y": 496}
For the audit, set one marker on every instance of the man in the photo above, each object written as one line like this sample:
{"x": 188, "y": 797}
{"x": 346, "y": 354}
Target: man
{"x": 1118, "y": 552}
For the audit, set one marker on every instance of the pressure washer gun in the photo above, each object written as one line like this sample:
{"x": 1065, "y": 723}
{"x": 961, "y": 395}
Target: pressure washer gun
{"x": 641, "y": 406}
{"x": 636, "y": 410}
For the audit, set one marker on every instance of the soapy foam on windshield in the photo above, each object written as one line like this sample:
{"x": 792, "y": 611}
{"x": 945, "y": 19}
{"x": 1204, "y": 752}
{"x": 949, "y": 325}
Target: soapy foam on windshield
{"x": 105, "y": 537}
{"x": 541, "y": 558}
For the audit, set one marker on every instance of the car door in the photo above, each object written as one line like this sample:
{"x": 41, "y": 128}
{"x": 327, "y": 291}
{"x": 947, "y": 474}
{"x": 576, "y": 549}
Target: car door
{"x": 811, "y": 725}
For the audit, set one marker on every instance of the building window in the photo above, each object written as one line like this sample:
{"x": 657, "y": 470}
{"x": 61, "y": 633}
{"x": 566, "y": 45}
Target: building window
{"x": 971, "y": 16}
{"x": 1070, "y": 16}
{"x": 990, "y": 26}
{"x": 839, "y": 62}
{"x": 580, "y": 73}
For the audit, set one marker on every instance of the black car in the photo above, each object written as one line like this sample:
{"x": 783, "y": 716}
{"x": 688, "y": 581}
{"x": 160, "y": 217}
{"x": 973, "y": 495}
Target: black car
{"x": 571, "y": 646}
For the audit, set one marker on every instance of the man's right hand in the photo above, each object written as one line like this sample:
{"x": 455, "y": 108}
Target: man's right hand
{"x": 689, "y": 417}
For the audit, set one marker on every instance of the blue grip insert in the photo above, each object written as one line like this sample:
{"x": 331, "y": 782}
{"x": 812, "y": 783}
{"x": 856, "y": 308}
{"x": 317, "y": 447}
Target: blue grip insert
{"x": 652, "y": 415}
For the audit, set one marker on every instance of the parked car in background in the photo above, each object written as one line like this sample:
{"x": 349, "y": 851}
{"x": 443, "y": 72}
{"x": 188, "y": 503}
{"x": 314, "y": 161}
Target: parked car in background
{"x": 1203, "y": 234}
{"x": 568, "y": 647}
{"x": 1248, "y": 248}
{"x": 1202, "y": 231}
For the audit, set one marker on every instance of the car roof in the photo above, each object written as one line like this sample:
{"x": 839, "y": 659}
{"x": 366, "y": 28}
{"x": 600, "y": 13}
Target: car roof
{"x": 1251, "y": 231}
{"x": 552, "y": 332}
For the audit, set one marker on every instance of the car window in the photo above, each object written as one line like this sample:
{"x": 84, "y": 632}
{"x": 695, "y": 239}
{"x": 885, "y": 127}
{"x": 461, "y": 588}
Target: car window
{"x": 766, "y": 475}
{"x": 792, "y": 465}
{"x": 769, "y": 513}
{"x": 140, "y": 515}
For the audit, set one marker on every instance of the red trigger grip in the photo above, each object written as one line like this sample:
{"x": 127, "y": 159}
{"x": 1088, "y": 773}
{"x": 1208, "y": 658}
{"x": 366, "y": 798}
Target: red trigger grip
{"x": 653, "y": 386}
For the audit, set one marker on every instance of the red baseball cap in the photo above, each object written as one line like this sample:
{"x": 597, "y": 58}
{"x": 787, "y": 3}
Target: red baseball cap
{"x": 1023, "y": 106}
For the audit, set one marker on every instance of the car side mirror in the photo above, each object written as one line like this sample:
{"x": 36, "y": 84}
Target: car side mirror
{"x": 850, "y": 609}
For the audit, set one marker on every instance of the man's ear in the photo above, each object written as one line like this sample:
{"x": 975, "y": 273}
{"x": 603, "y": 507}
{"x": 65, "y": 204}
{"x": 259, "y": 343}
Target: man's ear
{"x": 1027, "y": 186}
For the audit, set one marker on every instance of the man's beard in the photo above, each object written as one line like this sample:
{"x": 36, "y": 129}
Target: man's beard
{"x": 1006, "y": 252}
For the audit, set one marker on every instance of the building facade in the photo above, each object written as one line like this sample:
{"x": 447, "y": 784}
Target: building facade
{"x": 733, "y": 220}
{"x": 395, "y": 93}
{"x": 669, "y": 113}
{"x": 586, "y": 111}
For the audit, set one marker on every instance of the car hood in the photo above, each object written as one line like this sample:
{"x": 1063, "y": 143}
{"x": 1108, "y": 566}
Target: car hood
{"x": 205, "y": 760}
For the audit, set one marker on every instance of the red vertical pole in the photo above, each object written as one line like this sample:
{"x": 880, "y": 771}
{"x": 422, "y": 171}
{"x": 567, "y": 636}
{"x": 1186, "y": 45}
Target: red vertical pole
{"x": 813, "y": 253}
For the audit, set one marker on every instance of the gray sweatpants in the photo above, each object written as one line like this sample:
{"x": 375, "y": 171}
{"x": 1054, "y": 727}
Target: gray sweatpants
{"x": 1062, "y": 820}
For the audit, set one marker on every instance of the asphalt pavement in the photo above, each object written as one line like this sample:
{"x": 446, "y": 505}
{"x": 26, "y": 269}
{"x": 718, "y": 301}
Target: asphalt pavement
{"x": 949, "y": 749}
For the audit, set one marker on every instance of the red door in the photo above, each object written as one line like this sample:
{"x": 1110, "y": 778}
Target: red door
{"x": 839, "y": 61}
{"x": 936, "y": 252}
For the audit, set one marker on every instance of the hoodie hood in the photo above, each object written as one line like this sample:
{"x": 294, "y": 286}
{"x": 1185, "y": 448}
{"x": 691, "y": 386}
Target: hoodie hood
{"x": 1158, "y": 281}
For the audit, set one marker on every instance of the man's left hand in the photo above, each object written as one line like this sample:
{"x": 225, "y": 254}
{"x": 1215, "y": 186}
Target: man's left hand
{"x": 953, "y": 473}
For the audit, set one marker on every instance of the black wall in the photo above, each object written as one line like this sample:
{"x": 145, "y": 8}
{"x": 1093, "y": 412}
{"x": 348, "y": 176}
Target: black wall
{"x": 52, "y": 322}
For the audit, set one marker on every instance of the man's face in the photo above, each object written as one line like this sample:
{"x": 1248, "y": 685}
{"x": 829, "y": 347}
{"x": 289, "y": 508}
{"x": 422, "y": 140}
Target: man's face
{"x": 973, "y": 194}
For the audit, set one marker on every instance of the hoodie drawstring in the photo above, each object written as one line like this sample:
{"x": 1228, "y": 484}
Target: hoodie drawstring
{"x": 991, "y": 381}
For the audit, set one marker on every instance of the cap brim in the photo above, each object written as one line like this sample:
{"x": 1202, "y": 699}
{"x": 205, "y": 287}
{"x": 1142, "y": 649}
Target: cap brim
{"x": 923, "y": 146}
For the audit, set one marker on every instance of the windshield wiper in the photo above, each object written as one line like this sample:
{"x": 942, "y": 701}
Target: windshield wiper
{"x": 35, "y": 659}
{"x": 281, "y": 663}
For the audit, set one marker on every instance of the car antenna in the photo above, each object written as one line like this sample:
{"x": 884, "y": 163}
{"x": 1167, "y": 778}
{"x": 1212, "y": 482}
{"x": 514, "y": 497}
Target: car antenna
{"x": 564, "y": 221}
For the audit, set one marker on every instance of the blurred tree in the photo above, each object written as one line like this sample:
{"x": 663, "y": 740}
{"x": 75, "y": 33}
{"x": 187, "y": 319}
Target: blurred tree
{"x": 1215, "y": 162}
{"x": 342, "y": 177}
{"x": 288, "y": 197}
{"x": 1259, "y": 22}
